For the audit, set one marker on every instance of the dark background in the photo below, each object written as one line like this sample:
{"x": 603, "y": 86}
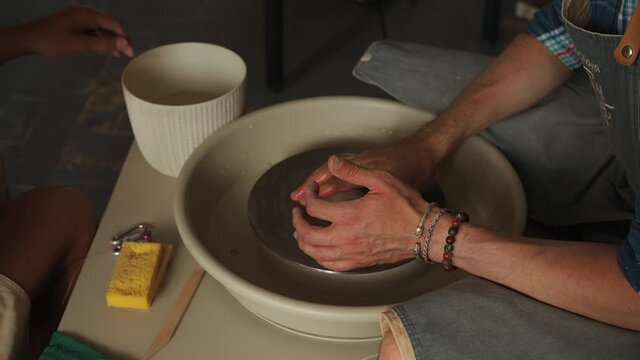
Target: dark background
{"x": 63, "y": 121}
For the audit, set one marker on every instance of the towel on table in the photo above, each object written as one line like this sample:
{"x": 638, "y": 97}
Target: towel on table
{"x": 63, "y": 347}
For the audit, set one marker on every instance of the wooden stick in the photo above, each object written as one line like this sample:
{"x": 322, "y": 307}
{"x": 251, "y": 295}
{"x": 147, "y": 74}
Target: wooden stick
{"x": 175, "y": 315}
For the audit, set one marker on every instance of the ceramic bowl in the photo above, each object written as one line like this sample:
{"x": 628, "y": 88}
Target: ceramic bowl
{"x": 177, "y": 95}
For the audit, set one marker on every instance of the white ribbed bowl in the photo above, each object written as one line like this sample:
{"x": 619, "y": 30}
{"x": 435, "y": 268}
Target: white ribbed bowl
{"x": 177, "y": 95}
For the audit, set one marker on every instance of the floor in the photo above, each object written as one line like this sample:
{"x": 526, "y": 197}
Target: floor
{"x": 63, "y": 121}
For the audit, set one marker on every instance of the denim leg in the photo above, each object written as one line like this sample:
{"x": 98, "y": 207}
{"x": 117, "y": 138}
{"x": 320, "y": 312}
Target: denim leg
{"x": 478, "y": 319}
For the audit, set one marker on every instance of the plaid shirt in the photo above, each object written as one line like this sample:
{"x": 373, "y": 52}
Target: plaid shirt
{"x": 608, "y": 17}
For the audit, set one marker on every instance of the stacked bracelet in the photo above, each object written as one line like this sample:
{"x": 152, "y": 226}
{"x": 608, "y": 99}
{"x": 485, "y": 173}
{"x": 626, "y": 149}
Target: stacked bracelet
{"x": 420, "y": 230}
{"x": 420, "y": 227}
{"x": 447, "y": 257}
{"x": 427, "y": 240}
{"x": 416, "y": 250}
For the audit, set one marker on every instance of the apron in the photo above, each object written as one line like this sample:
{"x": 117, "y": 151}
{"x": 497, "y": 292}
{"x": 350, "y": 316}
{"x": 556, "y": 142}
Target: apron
{"x": 616, "y": 85}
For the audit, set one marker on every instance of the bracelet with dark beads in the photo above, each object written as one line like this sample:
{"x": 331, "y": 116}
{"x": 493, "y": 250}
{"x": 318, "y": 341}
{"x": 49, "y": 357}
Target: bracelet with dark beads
{"x": 447, "y": 258}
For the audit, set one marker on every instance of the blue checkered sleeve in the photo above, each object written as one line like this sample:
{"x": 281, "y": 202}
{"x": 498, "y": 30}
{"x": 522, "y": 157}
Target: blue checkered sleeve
{"x": 625, "y": 13}
{"x": 547, "y": 26}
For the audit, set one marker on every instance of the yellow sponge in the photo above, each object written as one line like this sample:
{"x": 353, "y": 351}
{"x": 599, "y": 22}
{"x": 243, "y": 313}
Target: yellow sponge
{"x": 138, "y": 273}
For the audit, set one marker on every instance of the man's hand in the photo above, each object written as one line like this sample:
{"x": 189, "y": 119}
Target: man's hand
{"x": 375, "y": 229}
{"x": 405, "y": 160}
{"x": 74, "y": 30}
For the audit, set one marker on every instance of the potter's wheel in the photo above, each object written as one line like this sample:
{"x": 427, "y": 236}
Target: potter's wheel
{"x": 270, "y": 207}
{"x": 213, "y": 219}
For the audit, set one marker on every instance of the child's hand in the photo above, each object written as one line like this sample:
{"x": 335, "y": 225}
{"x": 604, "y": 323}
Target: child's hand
{"x": 77, "y": 30}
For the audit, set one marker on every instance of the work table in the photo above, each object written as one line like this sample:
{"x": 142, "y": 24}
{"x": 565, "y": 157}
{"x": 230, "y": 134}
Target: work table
{"x": 215, "y": 326}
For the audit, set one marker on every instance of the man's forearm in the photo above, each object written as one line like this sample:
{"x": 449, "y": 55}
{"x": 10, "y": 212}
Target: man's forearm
{"x": 580, "y": 277}
{"x": 583, "y": 278}
{"x": 520, "y": 77}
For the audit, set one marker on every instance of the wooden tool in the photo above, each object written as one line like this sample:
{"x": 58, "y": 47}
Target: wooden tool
{"x": 175, "y": 315}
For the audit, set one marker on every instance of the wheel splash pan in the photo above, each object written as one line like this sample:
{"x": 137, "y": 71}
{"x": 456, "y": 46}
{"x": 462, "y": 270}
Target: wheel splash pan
{"x": 213, "y": 192}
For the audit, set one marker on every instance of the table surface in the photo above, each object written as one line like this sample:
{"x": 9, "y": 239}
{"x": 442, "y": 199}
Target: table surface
{"x": 214, "y": 326}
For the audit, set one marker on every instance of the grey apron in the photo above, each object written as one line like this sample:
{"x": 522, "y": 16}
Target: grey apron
{"x": 616, "y": 87}
{"x": 475, "y": 318}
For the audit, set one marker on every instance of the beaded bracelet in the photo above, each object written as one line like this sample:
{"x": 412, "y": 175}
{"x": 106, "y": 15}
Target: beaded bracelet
{"x": 420, "y": 229}
{"x": 427, "y": 240}
{"x": 447, "y": 257}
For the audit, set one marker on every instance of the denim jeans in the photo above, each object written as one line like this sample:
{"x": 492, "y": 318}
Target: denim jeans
{"x": 477, "y": 319}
